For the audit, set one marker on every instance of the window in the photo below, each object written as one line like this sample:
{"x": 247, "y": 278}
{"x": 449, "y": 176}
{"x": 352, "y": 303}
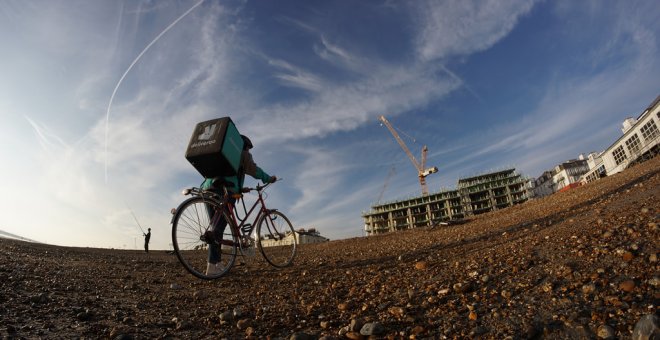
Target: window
{"x": 633, "y": 143}
{"x": 649, "y": 131}
{"x": 619, "y": 155}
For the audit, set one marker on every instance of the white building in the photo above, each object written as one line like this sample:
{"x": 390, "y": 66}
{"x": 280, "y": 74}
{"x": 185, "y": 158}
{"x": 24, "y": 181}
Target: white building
{"x": 562, "y": 176}
{"x": 300, "y": 236}
{"x": 638, "y": 143}
{"x": 543, "y": 186}
{"x": 569, "y": 173}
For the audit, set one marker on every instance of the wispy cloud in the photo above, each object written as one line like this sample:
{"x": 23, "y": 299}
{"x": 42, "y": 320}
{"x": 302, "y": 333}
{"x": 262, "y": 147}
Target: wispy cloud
{"x": 464, "y": 27}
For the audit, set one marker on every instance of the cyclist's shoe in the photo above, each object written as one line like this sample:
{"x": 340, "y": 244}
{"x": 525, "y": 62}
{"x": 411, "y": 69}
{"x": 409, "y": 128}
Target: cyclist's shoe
{"x": 213, "y": 268}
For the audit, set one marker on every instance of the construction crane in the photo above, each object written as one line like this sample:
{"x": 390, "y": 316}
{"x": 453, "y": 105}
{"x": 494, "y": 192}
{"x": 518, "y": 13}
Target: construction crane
{"x": 387, "y": 180}
{"x": 422, "y": 171}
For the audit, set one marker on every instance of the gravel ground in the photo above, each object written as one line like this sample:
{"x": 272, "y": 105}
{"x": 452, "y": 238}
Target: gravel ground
{"x": 577, "y": 264}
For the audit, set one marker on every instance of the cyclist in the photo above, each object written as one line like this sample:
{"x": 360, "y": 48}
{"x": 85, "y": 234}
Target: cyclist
{"x": 233, "y": 184}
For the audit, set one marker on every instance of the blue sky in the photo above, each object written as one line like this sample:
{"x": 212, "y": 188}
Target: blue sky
{"x": 98, "y": 100}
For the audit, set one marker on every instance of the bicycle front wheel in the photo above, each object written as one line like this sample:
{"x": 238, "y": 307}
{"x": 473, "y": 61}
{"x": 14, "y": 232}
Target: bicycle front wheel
{"x": 203, "y": 247}
{"x": 276, "y": 239}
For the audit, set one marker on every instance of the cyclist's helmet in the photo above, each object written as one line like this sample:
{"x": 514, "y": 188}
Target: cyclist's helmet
{"x": 247, "y": 144}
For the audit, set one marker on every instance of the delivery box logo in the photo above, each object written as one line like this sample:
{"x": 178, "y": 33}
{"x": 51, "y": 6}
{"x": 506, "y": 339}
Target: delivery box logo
{"x": 207, "y": 133}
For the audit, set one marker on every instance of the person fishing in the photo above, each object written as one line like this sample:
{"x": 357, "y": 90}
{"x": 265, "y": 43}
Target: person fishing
{"x": 147, "y": 237}
{"x": 233, "y": 184}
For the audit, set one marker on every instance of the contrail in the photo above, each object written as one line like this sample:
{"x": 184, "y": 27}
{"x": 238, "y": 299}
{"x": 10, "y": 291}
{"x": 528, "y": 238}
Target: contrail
{"x": 112, "y": 97}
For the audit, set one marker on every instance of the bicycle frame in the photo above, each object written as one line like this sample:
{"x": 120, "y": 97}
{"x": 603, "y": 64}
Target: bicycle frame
{"x": 231, "y": 214}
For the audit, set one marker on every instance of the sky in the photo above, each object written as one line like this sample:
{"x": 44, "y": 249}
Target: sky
{"x": 98, "y": 100}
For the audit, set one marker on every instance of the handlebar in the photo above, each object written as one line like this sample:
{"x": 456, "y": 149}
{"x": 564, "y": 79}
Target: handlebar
{"x": 259, "y": 187}
{"x": 199, "y": 191}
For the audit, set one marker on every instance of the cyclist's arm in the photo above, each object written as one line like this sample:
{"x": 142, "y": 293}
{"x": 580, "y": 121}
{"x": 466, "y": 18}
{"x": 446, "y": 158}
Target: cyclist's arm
{"x": 253, "y": 170}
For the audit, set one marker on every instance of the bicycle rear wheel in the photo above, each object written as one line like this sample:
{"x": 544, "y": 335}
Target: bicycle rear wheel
{"x": 276, "y": 239}
{"x": 194, "y": 238}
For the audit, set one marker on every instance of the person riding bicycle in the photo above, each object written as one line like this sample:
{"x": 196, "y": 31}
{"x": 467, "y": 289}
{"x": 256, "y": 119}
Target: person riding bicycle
{"x": 233, "y": 184}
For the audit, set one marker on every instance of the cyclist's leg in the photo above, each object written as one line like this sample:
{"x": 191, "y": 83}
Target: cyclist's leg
{"x": 218, "y": 234}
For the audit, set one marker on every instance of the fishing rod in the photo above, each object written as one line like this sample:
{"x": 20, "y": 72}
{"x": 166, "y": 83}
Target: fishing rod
{"x": 134, "y": 217}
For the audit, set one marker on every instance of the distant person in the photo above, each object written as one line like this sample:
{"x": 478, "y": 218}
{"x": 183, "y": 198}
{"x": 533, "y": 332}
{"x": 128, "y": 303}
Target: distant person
{"x": 233, "y": 184}
{"x": 147, "y": 237}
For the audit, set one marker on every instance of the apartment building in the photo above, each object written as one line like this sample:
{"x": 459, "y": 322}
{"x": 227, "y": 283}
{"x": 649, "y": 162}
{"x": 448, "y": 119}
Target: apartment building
{"x": 474, "y": 195}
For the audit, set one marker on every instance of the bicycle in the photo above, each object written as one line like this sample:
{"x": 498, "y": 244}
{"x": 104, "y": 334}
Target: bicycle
{"x": 193, "y": 224}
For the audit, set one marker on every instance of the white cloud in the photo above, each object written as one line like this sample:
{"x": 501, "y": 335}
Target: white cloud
{"x": 463, "y": 27}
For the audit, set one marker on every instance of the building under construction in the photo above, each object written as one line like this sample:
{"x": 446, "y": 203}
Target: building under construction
{"x": 474, "y": 195}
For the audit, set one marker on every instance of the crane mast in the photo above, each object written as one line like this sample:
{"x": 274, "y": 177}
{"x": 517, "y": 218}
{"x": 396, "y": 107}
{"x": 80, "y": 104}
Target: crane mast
{"x": 422, "y": 172}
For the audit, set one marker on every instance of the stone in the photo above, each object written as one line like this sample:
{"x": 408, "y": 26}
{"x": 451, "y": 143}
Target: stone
{"x": 355, "y": 325}
{"x": 396, "y": 311}
{"x": 647, "y": 328}
{"x": 243, "y": 324}
{"x": 372, "y": 328}
{"x": 588, "y": 288}
{"x": 605, "y": 332}
{"x": 354, "y": 336}
{"x": 421, "y": 265}
{"x": 226, "y": 316}
{"x": 654, "y": 281}
{"x": 200, "y": 295}
{"x": 301, "y": 336}
{"x": 628, "y": 256}
{"x": 627, "y": 286}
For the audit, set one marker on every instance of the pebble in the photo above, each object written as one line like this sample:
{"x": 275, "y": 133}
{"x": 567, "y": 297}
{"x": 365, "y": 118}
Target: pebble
{"x": 372, "y": 328}
{"x": 356, "y": 325}
{"x": 421, "y": 265}
{"x": 226, "y": 316}
{"x": 417, "y": 330}
{"x": 628, "y": 256}
{"x": 627, "y": 286}
{"x": 506, "y": 294}
{"x": 459, "y": 287}
{"x": 588, "y": 288}
{"x": 472, "y": 316}
{"x": 175, "y": 286}
{"x": 200, "y": 295}
{"x": 605, "y": 332}
{"x": 238, "y": 312}
{"x": 396, "y": 311}
{"x": 354, "y": 336}
{"x": 301, "y": 336}
{"x": 547, "y": 287}
{"x": 655, "y": 281}
{"x": 647, "y": 328}
{"x": 243, "y": 324}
